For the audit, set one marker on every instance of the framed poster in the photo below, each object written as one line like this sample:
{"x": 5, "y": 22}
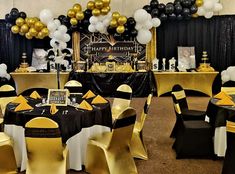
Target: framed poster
{"x": 186, "y": 58}
{"x": 58, "y": 97}
{"x": 141, "y": 65}
{"x": 80, "y": 66}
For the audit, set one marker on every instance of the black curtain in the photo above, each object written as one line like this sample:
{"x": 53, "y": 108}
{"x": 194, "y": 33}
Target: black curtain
{"x": 215, "y": 35}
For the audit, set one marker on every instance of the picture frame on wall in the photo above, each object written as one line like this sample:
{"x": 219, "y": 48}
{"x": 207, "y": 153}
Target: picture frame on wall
{"x": 186, "y": 58}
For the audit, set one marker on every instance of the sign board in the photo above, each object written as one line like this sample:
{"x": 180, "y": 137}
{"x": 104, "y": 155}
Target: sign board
{"x": 58, "y": 97}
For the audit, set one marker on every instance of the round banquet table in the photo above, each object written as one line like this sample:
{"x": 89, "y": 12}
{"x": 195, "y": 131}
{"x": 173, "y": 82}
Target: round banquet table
{"x": 218, "y": 115}
{"x": 76, "y": 126}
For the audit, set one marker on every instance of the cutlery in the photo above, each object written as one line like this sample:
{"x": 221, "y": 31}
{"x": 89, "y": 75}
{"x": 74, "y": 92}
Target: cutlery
{"x": 43, "y": 111}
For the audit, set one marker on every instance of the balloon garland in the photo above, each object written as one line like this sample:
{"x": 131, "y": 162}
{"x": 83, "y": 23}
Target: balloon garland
{"x": 98, "y": 18}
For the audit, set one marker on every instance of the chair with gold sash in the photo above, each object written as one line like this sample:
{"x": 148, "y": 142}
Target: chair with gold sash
{"x": 74, "y": 87}
{"x": 181, "y": 105}
{"x": 45, "y": 151}
{"x": 7, "y": 156}
{"x": 109, "y": 153}
{"x": 40, "y": 91}
{"x": 137, "y": 146}
{"x": 229, "y": 87}
{"x": 229, "y": 160}
{"x": 121, "y": 100}
{"x": 7, "y": 94}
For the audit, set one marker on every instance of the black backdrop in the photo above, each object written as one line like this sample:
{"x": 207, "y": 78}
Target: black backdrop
{"x": 215, "y": 35}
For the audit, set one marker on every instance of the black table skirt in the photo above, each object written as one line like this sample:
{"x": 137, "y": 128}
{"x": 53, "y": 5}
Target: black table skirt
{"x": 142, "y": 83}
{"x": 69, "y": 124}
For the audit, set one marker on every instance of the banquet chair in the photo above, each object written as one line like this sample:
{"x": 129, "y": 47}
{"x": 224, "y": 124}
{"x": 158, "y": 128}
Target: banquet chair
{"x": 181, "y": 104}
{"x": 122, "y": 99}
{"x": 137, "y": 146}
{"x": 74, "y": 87}
{"x": 41, "y": 91}
{"x": 45, "y": 151}
{"x": 193, "y": 138}
{"x": 229, "y": 160}
{"x": 109, "y": 153}
{"x": 7, "y": 157}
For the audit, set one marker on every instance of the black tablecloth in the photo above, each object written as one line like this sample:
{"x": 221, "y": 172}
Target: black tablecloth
{"x": 219, "y": 114}
{"x": 70, "y": 122}
{"x": 142, "y": 83}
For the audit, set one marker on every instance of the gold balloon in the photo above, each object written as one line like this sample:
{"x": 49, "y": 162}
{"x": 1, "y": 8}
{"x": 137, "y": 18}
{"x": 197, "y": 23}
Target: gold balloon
{"x": 33, "y": 31}
{"x": 113, "y": 23}
{"x": 122, "y": 20}
{"x": 38, "y": 25}
{"x": 40, "y": 35}
{"x": 24, "y": 28}
{"x": 96, "y": 12}
{"x": 71, "y": 13}
{"x": 19, "y": 22}
{"x": 15, "y": 29}
{"x": 195, "y": 15}
{"x": 22, "y": 34}
{"x": 99, "y": 4}
{"x": 77, "y": 7}
{"x": 79, "y": 15}
{"x": 31, "y": 22}
{"x": 28, "y": 36}
{"x": 73, "y": 21}
{"x": 26, "y": 20}
{"x": 105, "y": 10}
{"x": 90, "y": 5}
{"x": 120, "y": 29}
{"x": 36, "y": 19}
{"x": 45, "y": 31}
{"x": 115, "y": 15}
{"x": 199, "y": 3}
{"x": 106, "y": 2}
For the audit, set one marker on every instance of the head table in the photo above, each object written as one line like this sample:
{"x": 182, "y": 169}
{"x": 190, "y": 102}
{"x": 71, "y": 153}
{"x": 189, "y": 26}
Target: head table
{"x": 76, "y": 126}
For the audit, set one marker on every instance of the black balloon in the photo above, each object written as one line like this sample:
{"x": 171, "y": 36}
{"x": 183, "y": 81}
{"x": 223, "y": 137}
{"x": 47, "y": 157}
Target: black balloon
{"x": 22, "y": 15}
{"x": 186, "y": 3}
{"x": 87, "y": 13}
{"x": 14, "y": 14}
{"x": 15, "y": 9}
{"x": 155, "y": 13}
{"x": 9, "y": 25}
{"x": 185, "y": 11}
{"x": 111, "y": 30}
{"x": 161, "y": 7}
{"x": 154, "y": 3}
{"x": 179, "y": 17}
{"x": 147, "y": 8}
{"x": 133, "y": 33}
{"x": 193, "y": 2}
{"x": 61, "y": 17}
{"x": 66, "y": 21}
{"x": 188, "y": 16}
{"x": 131, "y": 22}
{"x": 169, "y": 8}
{"x": 163, "y": 17}
{"x": 178, "y": 9}
{"x": 126, "y": 36}
{"x": 8, "y": 18}
{"x": 118, "y": 37}
{"x": 172, "y": 16}
{"x": 193, "y": 9}
{"x": 86, "y": 22}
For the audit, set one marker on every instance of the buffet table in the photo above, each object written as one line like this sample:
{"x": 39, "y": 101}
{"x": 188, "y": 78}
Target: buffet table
{"x": 76, "y": 126}
{"x": 48, "y": 80}
{"x": 198, "y": 81}
{"x": 106, "y": 83}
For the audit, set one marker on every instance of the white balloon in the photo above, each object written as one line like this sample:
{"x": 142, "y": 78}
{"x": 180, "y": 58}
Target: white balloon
{"x": 144, "y": 36}
{"x": 230, "y": 69}
{"x": 57, "y": 22}
{"x": 208, "y": 5}
{"x": 148, "y": 25}
{"x": 3, "y": 66}
{"x": 209, "y": 14}
{"x": 101, "y": 17}
{"x": 51, "y": 26}
{"x": 106, "y": 22}
{"x": 140, "y": 16}
{"x": 58, "y": 35}
{"x": 156, "y": 22}
{"x": 7, "y": 76}
{"x": 225, "y": 78}
{"x": 223, "y": 72}
{"x": 66, "y": 38}
{"x": 62, "y": 45}
{"x": 91, "y": 28}
{"x": 53, "y": 43}
{"x": 201, "y": 11}
{"x": 93, "y": 20}
{"x": 218, "y": 7}
{"x": 63, "y": 29}
{"x": 99, "y": 26}
{"x": 46, "y": 16}
{"x": 138, "y": 26}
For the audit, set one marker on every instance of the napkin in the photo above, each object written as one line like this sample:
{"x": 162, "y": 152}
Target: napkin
{"x": 226, "y": 102}
{"x": 53, "y": 109}
{"x": 222, "y": 95}
{"x": 85, "y": 105}
{"x": 89, "y": 94}
{"x": 20, "y": 99}
{"x": 23, "y": 107}
{"x": 99, "y": 100}
{"x": 35, "y": 95}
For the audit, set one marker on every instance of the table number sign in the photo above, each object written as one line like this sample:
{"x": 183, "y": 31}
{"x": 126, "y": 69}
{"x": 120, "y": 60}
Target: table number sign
{"x": 58, "y": 97}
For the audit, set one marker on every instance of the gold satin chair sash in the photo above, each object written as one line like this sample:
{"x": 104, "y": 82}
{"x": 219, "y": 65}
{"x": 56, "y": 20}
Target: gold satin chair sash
{"x": 111, "y": 149}
{"x": 228, "y": 90}
{"x": 7, "y": 157}
{"x": 179, "y": 94}
{"x": 230, "y": 126}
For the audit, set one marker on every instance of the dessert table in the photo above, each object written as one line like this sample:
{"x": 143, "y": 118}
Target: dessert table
{"x": 76, "y": 126}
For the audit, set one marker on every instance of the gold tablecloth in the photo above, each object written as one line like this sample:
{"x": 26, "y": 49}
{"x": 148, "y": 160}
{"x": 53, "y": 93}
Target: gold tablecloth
{"x": 48, "y": 80}
{"x": 198, "y": 81}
